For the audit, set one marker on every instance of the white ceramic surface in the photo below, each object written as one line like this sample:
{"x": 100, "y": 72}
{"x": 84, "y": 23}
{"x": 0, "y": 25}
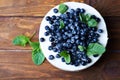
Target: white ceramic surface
{"x": 44, "y": 45}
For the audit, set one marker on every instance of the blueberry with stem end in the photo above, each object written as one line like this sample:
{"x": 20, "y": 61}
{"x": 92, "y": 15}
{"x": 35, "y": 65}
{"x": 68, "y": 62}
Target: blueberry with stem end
{"x": 51, "y": 57}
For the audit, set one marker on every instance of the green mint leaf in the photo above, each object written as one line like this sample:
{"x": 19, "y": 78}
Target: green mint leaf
{"x": 92, "y": 23}
{"x": 88, "y": 16}
{"x": 90, "y": 45}
{"x": 63, "y": 53}
{"x": 37, "y": 56}
{"x": 80, "y": 16}
{"x": 21, "y": 40}
{"x": 34, "y": 45}
{"x": 81, "y": 48}
{"x": 95, "y": 48}
{"x": 62, "y": 25}
{"x": 98, "y": 48}
{"x": 62, "y": 8}
{"x": 66, "y": 56}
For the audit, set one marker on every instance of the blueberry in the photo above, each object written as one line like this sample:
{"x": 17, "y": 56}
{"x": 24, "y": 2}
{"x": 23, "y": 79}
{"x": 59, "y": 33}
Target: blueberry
{"x": 77, "y": 42}
{"x": 95, "y": 40}
{"x": 79, "y": 55}
{"x": 63, "y": 60}
{"x": 82, "y": 38}
{"x": 98, "y": 19}
{"x": 82, "y": 10}
{"x": 51, "y": 22}
{"x": 58, "y": 56}
{"x": 46, "y": 33}
{"x": 100, "y": 30}
{"x": 68, "y": 40}
{"x": 89, "y": 60}
{"x": 55, "y": 10}
{"x": 55, "y": 49}
{"x": 83, "y": 63}
{"x": 50, "y": 48}
{"x": 51, "y": 39}
{"x": 76, "y": 63}
{"x": 53, "y": 17}
{"x": 51, "y": 57}
{"x": 42, "y": 39}
{"x": 97, "y": 35}
{"x": 72, "y": 11}
{"x": 93, "y": 16}
{"x": 76, "y": 36}
{"x": 48, "y": 18}
{"x": 47, "y": 28}
{"x": 72, "y": 40}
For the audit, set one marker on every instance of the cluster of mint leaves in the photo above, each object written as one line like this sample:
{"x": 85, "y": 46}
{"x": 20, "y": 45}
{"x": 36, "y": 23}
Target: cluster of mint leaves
{"x": 37, "y": 55}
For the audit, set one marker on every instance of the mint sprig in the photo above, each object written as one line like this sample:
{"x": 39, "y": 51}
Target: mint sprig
{"x": 37, "y": 55}
{"x": 95, "y": 48}
{"x": 66, "y": 56}
{"x": 21, "y": 40}
{"x": 86, "y": 18}
{"x": 62, "y": 8}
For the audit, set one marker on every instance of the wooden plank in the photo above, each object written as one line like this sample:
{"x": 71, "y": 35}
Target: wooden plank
{"x": 17, "y": 65}
{"x": 107, "y": 7}
{"x": 28, "y": 7}
{"x": 13, "y": 26}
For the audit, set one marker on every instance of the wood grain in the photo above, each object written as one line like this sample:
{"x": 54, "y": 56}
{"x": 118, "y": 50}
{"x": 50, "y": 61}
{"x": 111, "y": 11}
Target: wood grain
{"x": 28, "y": 7}
{"x": 17, "y": 65}
{"x": 107, "y": 7}
{"x": 13, "y": 26}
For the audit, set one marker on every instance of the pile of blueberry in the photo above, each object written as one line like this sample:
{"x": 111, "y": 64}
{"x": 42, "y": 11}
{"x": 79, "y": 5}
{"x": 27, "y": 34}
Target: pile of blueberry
{"x": 74, "y": 33}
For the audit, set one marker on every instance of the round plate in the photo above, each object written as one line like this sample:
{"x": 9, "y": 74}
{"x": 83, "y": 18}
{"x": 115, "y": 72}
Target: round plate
{"x": 44, "y": 45}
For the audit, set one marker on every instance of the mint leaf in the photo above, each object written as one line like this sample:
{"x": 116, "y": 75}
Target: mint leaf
{"x": 63, "y": 53}
{"x": 95, "y": 48}
{"x": 62, "y": 25}
{"x": 37, "y": 56}
{"x": 98, "y": 48}
{"x": 92, "y": 23}
{"x": 88, "y": 16}
{"x": 66, "y": 56}
{"x": 62, "y": 8}
{"x": 82, "y": 17}
{"x": 81, "y": 48}
{"x": 34, "y": 45}
{"x": 21, "y": 40}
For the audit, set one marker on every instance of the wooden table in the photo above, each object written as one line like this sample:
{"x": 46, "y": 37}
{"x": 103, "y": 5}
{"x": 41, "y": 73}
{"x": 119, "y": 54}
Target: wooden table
{"x": 24, "y": 17}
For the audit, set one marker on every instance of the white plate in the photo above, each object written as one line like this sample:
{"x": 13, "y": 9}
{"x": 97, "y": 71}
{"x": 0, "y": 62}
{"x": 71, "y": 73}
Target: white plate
{"x": 44, "y": 45}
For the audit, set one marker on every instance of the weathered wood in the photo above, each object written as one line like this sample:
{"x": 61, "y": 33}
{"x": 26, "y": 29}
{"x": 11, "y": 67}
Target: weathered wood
{"x": 13, "y": 26}
{"x": 28, "y": 7}
{"x": 16, "y": 65}
{"x": 107, "y": 7}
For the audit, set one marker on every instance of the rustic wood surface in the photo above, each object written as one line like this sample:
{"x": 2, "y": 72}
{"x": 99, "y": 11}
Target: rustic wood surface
{"x": 24, "y": 17}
